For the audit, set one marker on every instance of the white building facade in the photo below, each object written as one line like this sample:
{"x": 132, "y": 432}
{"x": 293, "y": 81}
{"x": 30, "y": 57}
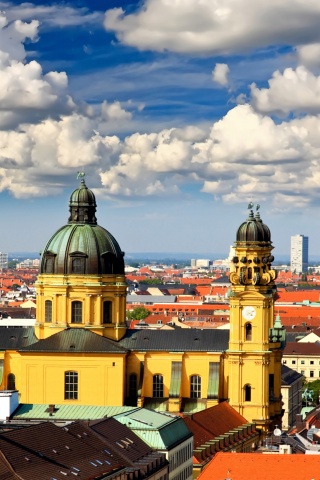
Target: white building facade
{"x": 299, "y": 253}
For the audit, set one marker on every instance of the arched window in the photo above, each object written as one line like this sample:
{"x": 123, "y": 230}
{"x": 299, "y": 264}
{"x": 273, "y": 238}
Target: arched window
{"x": 76, "y": 312}
{"x": 157, "y": 386}
{"x": 247, "y": 393}
{"x": 107, "y": 312}
{"x": 133, "y": 385}
{"x": 48, "y": 311}
{"x": 11, "y": 381}
{"x": 195, "y": 386}
{"x": 71, "y": 385}
{"x": 248, "y": 335}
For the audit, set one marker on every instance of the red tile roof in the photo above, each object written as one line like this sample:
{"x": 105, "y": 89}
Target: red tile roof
{"x": 253, "y": 466}
{"x": 212, "y": 422}
{"x": 300, "y": 348}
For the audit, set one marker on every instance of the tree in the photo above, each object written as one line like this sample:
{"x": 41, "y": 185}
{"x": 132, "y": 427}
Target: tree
{"x": 314, "y": 387}
{"x": 139, "y": 313}
{"x": 151, "y": 281}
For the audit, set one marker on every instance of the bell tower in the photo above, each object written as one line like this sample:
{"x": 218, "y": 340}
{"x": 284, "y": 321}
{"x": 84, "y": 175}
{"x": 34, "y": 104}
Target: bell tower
{"x": 253, "y": 359}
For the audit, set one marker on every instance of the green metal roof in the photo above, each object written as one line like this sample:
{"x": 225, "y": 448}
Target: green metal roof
{"x": 30, "y": 411}
{"x": 160, "y": 431}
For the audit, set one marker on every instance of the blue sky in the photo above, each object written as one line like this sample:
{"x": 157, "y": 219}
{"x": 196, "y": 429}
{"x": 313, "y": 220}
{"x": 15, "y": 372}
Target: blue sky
{"x": 180, "y": 112}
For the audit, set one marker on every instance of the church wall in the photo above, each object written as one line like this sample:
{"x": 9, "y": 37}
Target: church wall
{"x": 193, "y": 363}
{"x": 40, "y": 378}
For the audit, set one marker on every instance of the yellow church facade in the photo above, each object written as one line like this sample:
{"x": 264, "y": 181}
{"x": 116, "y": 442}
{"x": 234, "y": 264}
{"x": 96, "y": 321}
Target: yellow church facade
{"x": 82, "y": 353}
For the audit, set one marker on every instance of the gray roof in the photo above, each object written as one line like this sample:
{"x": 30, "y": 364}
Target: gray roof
{"x": 75, "y": 340}
{"x": 289, "y": 376}
{"x": 13, "y": 338}
{"x": 177, "y": 340}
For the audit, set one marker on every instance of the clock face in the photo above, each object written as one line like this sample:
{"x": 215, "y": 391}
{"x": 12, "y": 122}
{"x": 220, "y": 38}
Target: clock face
{"x": 249, "y": 313}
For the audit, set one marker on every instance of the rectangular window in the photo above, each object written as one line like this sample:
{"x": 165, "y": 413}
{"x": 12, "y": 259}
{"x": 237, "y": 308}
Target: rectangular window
{"x": 284, "y": 362}
{"x": 271, "y": 387}
{"x": 302, "y": 372}
{"x": 71, "y": 386}
{"x": 302, "y": 362}
{"x": 195, "y": 386}
{"x": 293, "y": 362}
{"x": 76, "y": 314}
{"x": 311, "y": 362}
{"x": 311, "y": 373}
{"x": 157, "y": 386}
{"x": 107, "y": 312}
{"x": 48, "y": 311}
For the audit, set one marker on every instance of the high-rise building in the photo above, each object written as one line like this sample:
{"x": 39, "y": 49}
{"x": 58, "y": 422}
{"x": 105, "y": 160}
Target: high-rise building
{"x": 299, "y": 253}
{"x": 3, "y": 260}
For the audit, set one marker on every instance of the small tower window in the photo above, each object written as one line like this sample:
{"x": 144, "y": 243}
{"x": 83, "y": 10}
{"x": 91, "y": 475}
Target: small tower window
{"x": 107, "y": 312}
{"x": 247, "y": 393}
{"x": 71, "y": 385}
{"x": 48, "y": 311}
{"x": 195, "y": 386}
{"x": 76, "y": 312}
{"x": 157, "y": 386}
{"x": 248, "y": 332}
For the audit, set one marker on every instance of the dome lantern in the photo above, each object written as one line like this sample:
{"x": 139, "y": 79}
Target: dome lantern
{"x": 82, "y": 205}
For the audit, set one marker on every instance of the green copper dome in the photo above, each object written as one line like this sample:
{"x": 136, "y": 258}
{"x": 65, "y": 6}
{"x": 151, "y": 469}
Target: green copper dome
{"x": 253, "y": 230}
{"x": 82, "y": 246}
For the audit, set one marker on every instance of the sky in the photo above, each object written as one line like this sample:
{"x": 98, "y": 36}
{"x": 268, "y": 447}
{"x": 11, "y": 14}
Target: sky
{"x": 180, "y": 113}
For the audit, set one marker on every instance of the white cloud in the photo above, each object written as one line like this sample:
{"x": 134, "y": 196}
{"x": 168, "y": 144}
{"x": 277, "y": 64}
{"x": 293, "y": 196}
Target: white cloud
{"x": 291, "y": 91}
{"x": 219, "y": 27}
{"x": 244, "y": 153}
{"x": 309, "y": 55}
{"x": 13, "y": 35}
{"x": 62, "y": 15}
{"x": 220, "y": 73}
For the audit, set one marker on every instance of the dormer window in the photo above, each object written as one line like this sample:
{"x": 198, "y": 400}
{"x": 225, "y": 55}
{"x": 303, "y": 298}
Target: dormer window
{"x": 49, "y": 262}
{"x": 78, "y": 262}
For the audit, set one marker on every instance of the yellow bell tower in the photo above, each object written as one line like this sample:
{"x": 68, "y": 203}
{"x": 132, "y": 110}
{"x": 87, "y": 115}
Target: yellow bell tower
{"x": 253, "y": 359}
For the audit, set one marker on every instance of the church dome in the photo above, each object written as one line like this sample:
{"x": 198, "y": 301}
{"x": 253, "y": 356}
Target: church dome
{"x": 82, "y": 246}
{"x": 253, "y": 230}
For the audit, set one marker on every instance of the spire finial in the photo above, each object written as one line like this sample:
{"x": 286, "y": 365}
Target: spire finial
{"x": 81, "y": 175}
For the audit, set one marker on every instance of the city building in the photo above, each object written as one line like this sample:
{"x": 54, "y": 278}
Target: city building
{"x": 107, "y": 450}
{"x": 304, "y": 358}
{"x": 299, "y": 253}
{"x": 3, "y": 261}
{"x": 81, "y": 352}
